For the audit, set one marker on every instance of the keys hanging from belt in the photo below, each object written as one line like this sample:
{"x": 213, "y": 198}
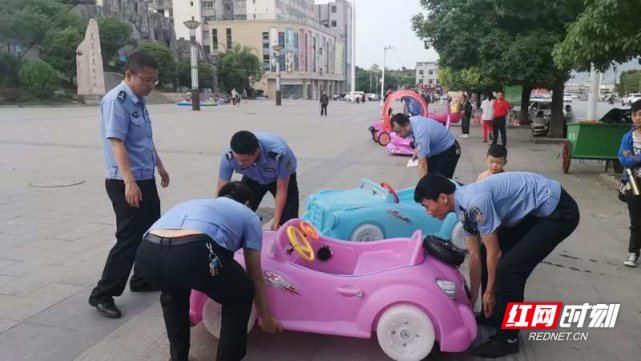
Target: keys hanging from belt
{"x": 215, "y": 264}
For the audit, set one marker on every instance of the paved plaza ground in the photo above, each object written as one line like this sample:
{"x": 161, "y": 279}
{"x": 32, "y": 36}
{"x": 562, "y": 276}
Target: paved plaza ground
{"x": 54, "y": 240}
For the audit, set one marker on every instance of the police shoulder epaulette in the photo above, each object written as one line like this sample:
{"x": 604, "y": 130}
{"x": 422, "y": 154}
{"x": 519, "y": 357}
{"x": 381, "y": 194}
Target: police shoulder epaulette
{"x": 229, "y": 155}
{"x": 122, "y": 96}
{"x": 274, "y": 155}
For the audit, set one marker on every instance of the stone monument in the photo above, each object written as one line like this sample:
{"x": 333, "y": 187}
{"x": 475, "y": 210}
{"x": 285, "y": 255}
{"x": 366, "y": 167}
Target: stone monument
{"x": 91, "y": 78}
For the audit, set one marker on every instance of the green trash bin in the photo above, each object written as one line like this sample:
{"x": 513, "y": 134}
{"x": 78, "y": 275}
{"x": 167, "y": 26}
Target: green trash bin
{"x": 593, "y": 141}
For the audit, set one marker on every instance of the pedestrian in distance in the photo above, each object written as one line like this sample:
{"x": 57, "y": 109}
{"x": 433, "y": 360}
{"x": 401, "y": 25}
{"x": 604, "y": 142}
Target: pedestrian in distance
{"x": 324, "y": 101}
{"x": 501, "y": 110}
{"x": 466, "y": 116}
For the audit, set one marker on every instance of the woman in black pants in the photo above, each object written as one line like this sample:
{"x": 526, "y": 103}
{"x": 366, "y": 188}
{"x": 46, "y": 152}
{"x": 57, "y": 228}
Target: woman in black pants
{"x": 192, "y": 247}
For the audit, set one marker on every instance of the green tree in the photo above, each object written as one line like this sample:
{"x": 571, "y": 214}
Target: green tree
{"x": 205, "y": 74}
{"x": 38, "y": 78}
{"x": 164, "y": 58}
{"x": 26, "y": 22}
{"x": 630, "y": 82}
{"x": 606, "y": 31}
{"x": 9, "y": 69}
{"x": 59, "y": 50}
{"x": 114, "y": 35}
{"x": 500, "y": 42}
{"x": 239, "y": 67}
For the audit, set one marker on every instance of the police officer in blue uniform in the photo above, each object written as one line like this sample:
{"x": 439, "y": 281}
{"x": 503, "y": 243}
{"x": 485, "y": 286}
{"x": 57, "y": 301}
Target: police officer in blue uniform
{"x": 192, "y": 247}
{"x": 436, "y": 148}
{"x": 267, "y": 164}
{"x": 519, "y": 218}
{"x": 130, "y": 162}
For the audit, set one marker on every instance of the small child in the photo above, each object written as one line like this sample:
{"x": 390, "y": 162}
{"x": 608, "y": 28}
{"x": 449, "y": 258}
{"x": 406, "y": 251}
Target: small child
{"x": 496, "y": 160}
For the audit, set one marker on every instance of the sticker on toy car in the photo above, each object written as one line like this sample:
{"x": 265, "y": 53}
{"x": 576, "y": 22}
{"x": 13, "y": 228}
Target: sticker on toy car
{"x": 275, "y": 280}
{"x": 399, "y": 215}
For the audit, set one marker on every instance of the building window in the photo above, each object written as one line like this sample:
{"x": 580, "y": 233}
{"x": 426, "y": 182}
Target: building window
{"x": 208, "y": 19}
{"x": 430, "y": 72}
{"x": 208, "y": 4}
{"x": 420, "y": 81}
{"x": 191, "y": 3}
{"x": 333, "y": 23}
{"x": 429, "y": 81}
{"x": 281, "y": 56}
{"x": 228, "y": 38}
{"x": 420, "y": 72}
{"x": 266, "y": 54}
{"x": 214, "y": 42}
{"x": 206, "y": 49}
{"x": 333, "y": 8}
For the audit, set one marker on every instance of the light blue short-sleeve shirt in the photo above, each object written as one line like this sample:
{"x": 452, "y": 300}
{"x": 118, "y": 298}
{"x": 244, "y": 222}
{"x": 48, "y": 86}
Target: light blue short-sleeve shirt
{"x": 504, "y": 199}
{"x": 431, "y": 138}
{"x": 276, "y": 161}
{"x": 231, "y": 224}
{"x": 124, "y": 116}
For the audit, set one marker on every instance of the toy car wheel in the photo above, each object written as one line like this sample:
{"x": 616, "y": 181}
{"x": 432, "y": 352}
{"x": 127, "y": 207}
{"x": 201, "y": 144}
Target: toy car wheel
{"x": 384, "y": 138}
{"x": 372, "y": 131}
{"x": 443, "y": 251}
{"x": 366, "y": 233}
{"x": 405, "y": 333}
{"x": 212, "y": 318}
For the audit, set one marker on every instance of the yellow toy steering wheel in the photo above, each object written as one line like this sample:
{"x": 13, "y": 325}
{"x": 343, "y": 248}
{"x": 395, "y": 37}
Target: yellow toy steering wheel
{"x": 305, "y": 249}
{"x": 309, "y": 230}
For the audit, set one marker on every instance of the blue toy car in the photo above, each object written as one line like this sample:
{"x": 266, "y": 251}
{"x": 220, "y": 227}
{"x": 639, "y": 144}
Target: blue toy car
{"x": 373, "y": 212}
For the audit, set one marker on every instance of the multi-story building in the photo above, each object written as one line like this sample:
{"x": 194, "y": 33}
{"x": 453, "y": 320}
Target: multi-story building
{"x": 337, "y": 15}
{"x": 315, "y": 57}
{"x": 427, "y": 73}
{"x": 311, "y": 59}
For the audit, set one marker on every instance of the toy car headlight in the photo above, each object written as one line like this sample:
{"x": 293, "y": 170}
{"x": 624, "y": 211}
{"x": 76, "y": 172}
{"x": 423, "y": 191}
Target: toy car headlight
{"x": 448, "y": 287}
{"x": 457, "y": 237}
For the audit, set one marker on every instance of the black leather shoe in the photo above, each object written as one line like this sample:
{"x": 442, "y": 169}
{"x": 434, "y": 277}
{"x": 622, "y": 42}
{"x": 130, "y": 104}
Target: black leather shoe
{"x": 108, "y": 309}
{"x": 497, "y": 347}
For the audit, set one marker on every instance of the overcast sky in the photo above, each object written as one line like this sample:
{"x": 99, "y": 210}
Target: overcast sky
{"x": 386, "y": 22}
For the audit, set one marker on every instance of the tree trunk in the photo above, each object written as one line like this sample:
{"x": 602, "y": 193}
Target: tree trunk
{"x": 557, "y": 124}
{"x": 524, "y": 118}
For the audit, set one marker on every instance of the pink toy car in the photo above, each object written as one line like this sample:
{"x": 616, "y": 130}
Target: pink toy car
{"x": 353, "y": 289}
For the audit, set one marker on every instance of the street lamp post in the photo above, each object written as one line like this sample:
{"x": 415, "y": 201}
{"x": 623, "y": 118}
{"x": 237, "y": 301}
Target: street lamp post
{"x": 192, "y": 25}
{"x": 277, "y": 49}
{"x": 383, "y": 76}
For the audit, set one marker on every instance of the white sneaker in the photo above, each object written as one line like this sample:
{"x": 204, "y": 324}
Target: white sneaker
{"x": 463, "y": 136}
{"x": 631, "y": 261}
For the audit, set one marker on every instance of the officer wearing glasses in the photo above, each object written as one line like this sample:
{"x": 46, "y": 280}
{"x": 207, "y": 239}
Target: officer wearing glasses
{"x": 131, "y": 160}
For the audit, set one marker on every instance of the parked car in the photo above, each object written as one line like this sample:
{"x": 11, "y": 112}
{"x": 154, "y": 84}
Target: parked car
{"x": 392, "y": 287}
{"x": 631, "y": 98}
{"x": 350, "y": 97}
{"x": 373, "y": 212}
{"x": 540, "y": 114}
{"x": 372, "y": 97}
